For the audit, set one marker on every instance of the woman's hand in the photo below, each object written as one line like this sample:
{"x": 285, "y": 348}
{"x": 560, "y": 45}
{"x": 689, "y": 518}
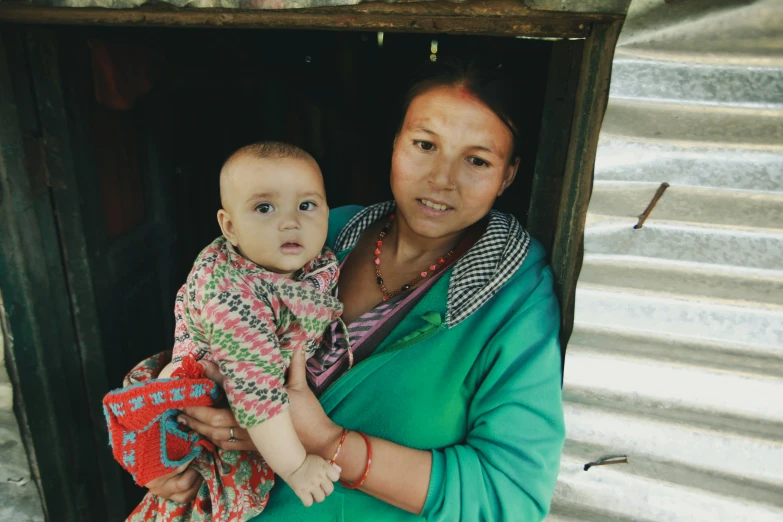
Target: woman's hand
{"x": 216, "y": 424}
{"x": 180, "y": 486}
{"x": 319, "y": 435}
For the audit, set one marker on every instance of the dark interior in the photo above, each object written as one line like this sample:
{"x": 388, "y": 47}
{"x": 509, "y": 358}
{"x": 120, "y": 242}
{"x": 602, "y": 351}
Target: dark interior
{"x": 336, "y": 94}
{"x": 148, "y": 173}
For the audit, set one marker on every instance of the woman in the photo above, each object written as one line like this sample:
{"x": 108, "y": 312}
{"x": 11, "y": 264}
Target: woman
{"x": 461, "y": 397}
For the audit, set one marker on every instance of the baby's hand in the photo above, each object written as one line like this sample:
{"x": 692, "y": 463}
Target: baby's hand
{"x": 312, "y": 481}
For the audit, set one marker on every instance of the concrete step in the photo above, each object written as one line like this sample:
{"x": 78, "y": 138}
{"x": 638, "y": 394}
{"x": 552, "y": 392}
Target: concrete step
{"x": 676, "y": 81}
{"x": 684, "y": 163}
{"x": 625, "y": 201}
{"x": 695, "y": 125}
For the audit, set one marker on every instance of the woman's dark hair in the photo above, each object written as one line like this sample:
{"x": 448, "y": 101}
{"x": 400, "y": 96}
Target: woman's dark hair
{"x": 486, "y": 83}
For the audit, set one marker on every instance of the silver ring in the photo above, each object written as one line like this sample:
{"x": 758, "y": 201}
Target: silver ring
{"x": 231, "y": 432}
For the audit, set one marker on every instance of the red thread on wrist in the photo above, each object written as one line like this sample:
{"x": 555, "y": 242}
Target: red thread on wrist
{"x": 339, "y": 447}
{"x": 367, "y": 467}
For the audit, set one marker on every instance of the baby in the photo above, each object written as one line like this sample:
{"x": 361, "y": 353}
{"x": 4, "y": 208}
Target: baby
{"x": 259, "y": 292}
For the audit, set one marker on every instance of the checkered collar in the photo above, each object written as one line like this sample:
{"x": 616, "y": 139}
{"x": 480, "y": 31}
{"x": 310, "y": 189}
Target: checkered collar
{"x": 477, "y": 275}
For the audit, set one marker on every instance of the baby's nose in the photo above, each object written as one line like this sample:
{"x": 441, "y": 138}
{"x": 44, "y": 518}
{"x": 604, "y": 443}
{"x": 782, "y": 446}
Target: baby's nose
{"x": 289, "y": 222}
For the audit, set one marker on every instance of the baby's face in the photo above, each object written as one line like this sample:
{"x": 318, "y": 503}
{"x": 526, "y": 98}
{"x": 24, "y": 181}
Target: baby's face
{"x": 278, "y": 212}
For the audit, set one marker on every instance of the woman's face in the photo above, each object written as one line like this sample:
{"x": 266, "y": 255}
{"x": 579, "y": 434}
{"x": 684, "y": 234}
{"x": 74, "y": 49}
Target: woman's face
{"x": 451, "y": 160}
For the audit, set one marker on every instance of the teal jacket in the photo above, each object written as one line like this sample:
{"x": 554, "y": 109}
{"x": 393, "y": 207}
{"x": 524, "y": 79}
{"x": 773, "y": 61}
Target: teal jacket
{"x": 483, "y": 395}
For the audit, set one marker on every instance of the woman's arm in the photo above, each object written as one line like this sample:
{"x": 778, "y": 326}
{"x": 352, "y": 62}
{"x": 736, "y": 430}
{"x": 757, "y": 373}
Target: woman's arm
{"x": 399, "y": 475}
{"x": 507, "y": 468}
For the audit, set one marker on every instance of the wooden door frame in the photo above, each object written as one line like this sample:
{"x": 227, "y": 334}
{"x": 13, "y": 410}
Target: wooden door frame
{"x": 56, "y": 356}
{"x": 47, "y": 357}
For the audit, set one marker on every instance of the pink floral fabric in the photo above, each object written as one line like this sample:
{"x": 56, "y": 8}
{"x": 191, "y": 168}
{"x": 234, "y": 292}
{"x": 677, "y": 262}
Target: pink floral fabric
{"x": 249, "y": 321}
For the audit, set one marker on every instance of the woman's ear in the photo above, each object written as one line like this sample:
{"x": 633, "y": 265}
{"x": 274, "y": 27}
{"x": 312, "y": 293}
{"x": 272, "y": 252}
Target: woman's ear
{"x": 508, "y": 177}
{"x": 227, "y": 226}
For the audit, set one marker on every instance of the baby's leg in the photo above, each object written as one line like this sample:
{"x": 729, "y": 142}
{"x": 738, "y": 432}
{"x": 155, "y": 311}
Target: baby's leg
{"x": 310, "y": 476}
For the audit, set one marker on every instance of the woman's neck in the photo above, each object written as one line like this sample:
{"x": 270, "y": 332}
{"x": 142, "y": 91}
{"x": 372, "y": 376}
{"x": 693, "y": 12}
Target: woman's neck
{"x": 408, "y": 246}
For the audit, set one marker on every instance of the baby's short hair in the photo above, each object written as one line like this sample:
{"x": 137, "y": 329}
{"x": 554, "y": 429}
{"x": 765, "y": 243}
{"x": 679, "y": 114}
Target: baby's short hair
{"x": 268, "y": 150}
{"x": 263, "y": 150}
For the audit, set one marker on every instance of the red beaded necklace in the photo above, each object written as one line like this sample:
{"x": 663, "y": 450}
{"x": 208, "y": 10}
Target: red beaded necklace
{"x": 406, "y": 287}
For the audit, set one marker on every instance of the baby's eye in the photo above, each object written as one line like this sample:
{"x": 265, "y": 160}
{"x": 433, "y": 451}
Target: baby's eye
{"x": 424, "y": 145}
{"x": 265, "y": 208}
{"x": 478, "y": 162}
{"x": 307, "y": 205}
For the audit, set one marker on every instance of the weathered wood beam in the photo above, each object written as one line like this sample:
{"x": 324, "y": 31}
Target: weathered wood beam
{"x": 504, "y": 17}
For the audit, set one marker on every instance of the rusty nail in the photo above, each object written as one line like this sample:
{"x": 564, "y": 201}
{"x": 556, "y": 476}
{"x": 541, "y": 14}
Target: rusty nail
{"x": 651, "y": 206}
{"x": 607, "y": 461}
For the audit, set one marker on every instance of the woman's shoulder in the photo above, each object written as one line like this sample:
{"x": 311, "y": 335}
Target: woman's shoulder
{"x": 536, "y": 261}
{"x": 338, "y": 218}
{"x": 533, "y": 281}
{"x": 532, "y": 259}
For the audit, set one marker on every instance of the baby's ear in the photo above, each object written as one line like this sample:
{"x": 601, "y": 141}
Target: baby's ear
{"x": 227, "y": 226}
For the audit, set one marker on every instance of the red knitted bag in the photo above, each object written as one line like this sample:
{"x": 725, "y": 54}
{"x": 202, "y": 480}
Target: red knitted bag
{"x": 145, "y": 437}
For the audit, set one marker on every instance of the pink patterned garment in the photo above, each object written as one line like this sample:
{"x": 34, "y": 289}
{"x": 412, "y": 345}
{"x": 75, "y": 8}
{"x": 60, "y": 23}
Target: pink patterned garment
{"x": 249, "y": 321}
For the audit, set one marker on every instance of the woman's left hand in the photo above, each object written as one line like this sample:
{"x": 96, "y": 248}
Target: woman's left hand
{"x": 319, "y": 435}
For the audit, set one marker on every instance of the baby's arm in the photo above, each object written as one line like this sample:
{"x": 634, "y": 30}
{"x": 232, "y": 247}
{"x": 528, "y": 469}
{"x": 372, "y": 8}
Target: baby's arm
{"x": 310, "y": 476}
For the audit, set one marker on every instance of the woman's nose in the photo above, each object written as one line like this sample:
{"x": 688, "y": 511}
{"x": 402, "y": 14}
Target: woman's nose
{"x": 444, "y": 175}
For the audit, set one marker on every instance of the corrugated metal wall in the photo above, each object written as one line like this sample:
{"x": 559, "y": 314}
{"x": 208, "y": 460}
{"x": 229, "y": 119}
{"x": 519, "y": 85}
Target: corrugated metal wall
{"x": 677, "y": 355}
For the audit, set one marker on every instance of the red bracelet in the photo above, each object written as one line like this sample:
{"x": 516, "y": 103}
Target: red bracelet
{"x": 339, "y": 447}
{"x": 366, "y": 469}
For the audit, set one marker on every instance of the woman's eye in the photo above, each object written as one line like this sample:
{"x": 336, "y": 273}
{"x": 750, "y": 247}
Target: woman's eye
{"x": 265, "y": 208}
{"x": 424, "y": 145}
{"x": 307, "y": 205}
{"x": 478, "y": 162}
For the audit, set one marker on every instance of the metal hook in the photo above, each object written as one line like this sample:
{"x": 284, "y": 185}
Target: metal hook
{"x": 607, "y": 461}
